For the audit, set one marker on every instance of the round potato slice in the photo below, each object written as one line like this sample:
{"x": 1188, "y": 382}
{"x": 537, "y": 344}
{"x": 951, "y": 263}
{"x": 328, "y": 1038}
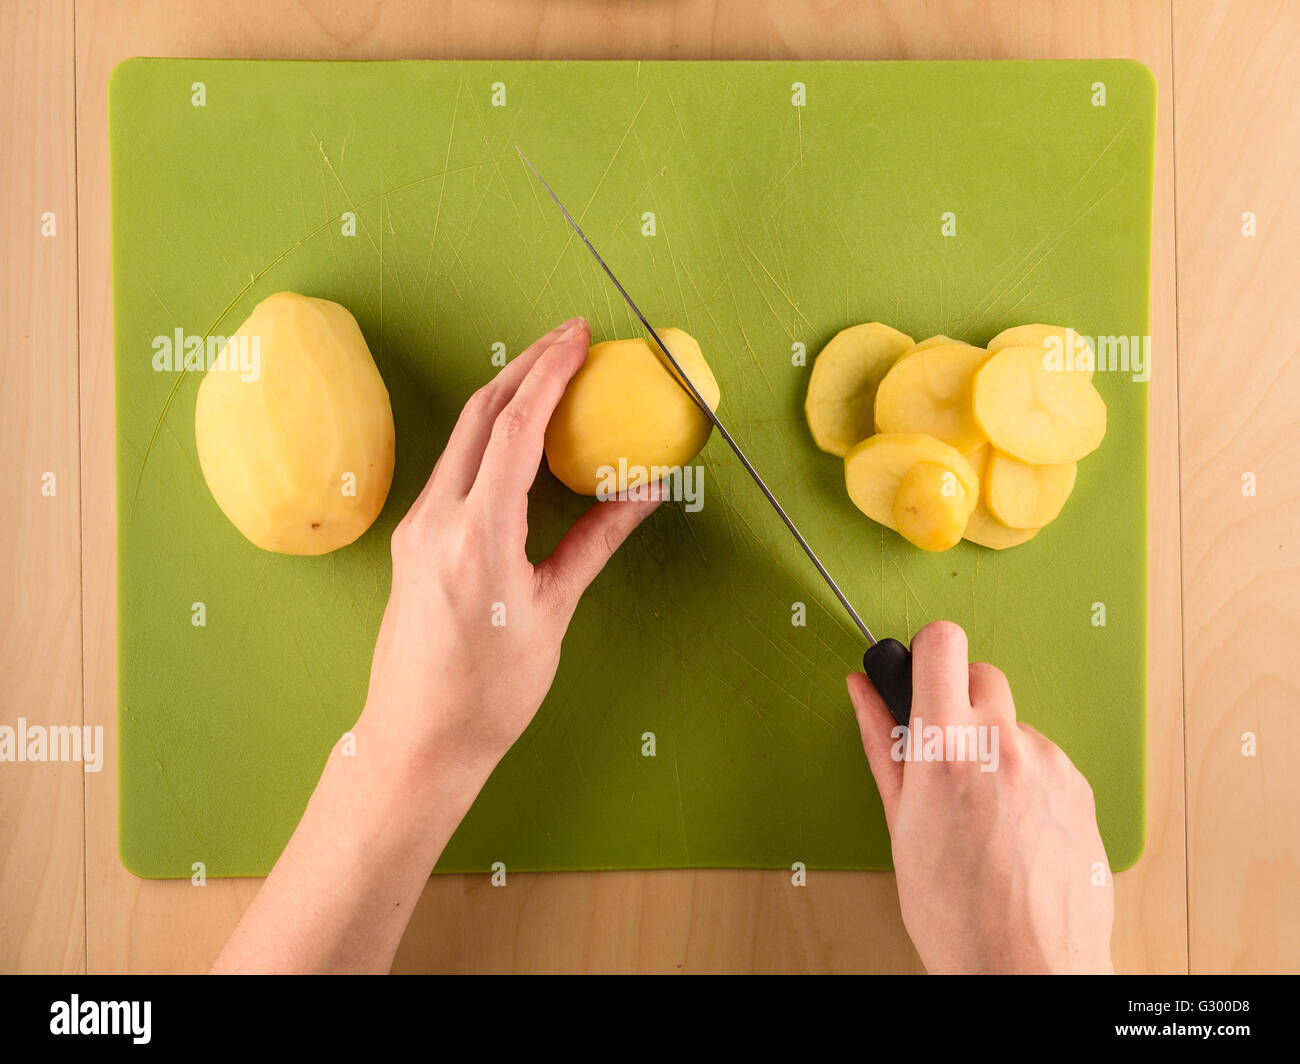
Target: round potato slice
{"x": 931, "y": 508}
{"x": 1026, "y": 496}
{"x": 930, "y": 392}
{"x": 986, "y": 530}
{"x": 978, "y": 459}
{"x": 934, "y": 341}
{"x": 841, "y": 400}
{"x": 874, "y": 469}
{"x": 1038, "y": 415}
{"x": 1076, "y": 353}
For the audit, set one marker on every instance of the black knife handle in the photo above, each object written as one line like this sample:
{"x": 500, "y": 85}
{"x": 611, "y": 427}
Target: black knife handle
{"x": 888, "y": 665}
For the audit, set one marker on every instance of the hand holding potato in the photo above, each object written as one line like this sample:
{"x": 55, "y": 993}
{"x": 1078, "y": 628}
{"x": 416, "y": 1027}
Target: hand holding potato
{"x": 467, "y": 649}
{"x": 470, "y": 641}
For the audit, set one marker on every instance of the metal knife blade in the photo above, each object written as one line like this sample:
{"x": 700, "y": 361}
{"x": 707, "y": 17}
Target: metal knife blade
{"x": 889, "y": 671}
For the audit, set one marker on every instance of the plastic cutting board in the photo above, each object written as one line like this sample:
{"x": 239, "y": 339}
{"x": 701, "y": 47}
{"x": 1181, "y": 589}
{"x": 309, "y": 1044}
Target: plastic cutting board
{"x": 759, "y": 225}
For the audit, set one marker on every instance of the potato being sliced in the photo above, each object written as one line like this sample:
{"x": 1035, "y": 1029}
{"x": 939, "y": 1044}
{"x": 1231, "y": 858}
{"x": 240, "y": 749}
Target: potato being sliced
{"x": 1035, "y": 414}
{"x": 986, "y": 530}
{"x": 932, "y": 507}
{"x": 625, "y": 419}
{"x": 1026, "y": 496}
{"x": 929, "y": 392}
{"x": 1076, "y": 352}
{"x": 841, "y": 401}
{"x": 874, "y": 470}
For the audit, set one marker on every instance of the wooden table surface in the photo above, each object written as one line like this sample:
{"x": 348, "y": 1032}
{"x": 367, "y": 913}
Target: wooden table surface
{"x": 1219, "y": 886}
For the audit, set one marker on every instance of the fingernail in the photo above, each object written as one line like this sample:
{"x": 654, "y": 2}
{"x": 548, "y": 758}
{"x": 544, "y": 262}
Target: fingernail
{"x": 575, "y": 326}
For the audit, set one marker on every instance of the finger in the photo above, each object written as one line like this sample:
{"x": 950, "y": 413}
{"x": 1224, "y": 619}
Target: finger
{"x": 940, "y": 674}
{"x": 877, "y": 725}
{"x": 514, "y": 447}
{"x": 459, "y": 462}
{"x": 990, "y": 693}
{"x": 583, "y": 551}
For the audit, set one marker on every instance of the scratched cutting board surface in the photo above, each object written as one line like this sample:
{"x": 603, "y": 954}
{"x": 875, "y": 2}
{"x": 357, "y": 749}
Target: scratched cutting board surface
{"x": 759, "y": 225}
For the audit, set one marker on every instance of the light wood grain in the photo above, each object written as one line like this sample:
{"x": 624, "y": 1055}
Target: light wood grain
{"x": 42, "y": 901}
{"x": 653, "y": 921}
{"x": 1239, "y": 326}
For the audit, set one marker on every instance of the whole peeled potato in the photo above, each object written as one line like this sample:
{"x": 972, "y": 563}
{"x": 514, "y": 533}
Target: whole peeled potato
{"x": 296, "y": 443}
{"x": 625, "y": 420}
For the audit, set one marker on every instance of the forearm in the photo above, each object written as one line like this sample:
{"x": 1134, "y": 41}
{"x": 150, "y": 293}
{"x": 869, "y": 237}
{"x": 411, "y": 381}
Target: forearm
{"x": 343, "y": 890}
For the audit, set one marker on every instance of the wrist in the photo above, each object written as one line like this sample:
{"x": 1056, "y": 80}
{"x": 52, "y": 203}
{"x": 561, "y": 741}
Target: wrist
{"x": 421, "y": 767}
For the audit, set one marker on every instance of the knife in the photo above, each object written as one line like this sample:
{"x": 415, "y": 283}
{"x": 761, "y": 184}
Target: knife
{"x": 887, "y": 662}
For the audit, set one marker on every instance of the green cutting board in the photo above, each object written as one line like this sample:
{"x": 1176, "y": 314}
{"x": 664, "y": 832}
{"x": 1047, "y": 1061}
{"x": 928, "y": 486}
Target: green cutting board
{"x": 776, "y": 222}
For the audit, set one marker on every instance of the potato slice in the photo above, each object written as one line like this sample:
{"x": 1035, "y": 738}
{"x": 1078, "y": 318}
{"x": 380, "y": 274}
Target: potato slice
{"x": 1026, "y": 496}
{"x": 982, "y": 527}
{"x": 929, "y": 392}
{"x": 986, "y": 530}
{"x": 978, "y": 459}
{"x": 874, "y": 470}
{"x": 932, "y": 507}
{"x": 1035, "y": 414}
{"x": 841, "y": 401}
{"x": 1076, "y": 352}
{"x": 934, "y": 341}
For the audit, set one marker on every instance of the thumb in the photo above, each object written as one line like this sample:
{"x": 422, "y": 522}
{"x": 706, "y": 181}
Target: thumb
{"x": 877, "y": 725}
{"x": 583, "y": 551}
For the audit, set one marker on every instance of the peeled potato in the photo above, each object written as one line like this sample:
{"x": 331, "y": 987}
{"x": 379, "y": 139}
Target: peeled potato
{"x": 1035, "y": 414}
{"x": 932, "y": 507}
{"x": 299, "y": 455}
{"x": 625, "y": 419}
{"x": 874, "y": 471}
{"x": 1081, "y": 355}
{"x": 1026, "y": 496}
{"x": 841, "y": 401}
{"x": 929, "y": 392}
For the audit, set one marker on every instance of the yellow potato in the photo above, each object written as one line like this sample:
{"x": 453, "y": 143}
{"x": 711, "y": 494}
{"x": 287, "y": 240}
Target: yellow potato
{"x": 983, "y": 528}
{"x": 929, "y": 392}
{"x": 625, "y": 419}
{"x": 931, "y": 508}
{"x": 978, "y": 459}
{"x": 841, "y": 401}
{"x": 934, "y": 341}
{"x": 1077, "y": 354}
{"x": 986, "y": 530}
{"x": 1026, "y": 496}
{"x": 874, "y": 471}
{"x": 1035, "y": 414}
{"x": 298, "y": 454}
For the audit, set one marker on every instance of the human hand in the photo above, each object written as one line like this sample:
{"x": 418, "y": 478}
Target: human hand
{"x": 470, "y": 640}
{"x": 998, "y": 871}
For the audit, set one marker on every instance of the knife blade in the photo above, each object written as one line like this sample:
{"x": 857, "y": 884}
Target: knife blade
{"x": 887, "y": 662}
